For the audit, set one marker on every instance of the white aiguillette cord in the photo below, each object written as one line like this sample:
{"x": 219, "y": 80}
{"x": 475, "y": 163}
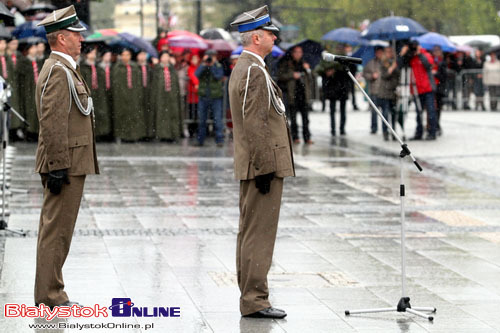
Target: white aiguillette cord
{"x": 72, "y": 89}
{"x": 276, "y": 100}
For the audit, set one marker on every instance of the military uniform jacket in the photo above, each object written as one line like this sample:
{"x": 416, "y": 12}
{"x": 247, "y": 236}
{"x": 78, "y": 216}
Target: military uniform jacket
{"x": 66, "y": 137}
{"x": 262, "y": 141}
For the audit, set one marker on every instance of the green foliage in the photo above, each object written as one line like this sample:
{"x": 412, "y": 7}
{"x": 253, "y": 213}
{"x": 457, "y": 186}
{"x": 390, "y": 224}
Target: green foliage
{"x": 449, "y": 17}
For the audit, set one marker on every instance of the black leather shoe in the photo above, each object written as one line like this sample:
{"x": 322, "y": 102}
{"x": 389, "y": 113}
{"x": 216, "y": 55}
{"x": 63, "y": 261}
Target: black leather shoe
{"x": 271, "y": 313}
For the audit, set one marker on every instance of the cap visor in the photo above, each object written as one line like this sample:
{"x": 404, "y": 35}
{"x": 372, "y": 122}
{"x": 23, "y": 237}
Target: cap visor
{"x": 270, "y": 27}
{"x": 76, "y": 27}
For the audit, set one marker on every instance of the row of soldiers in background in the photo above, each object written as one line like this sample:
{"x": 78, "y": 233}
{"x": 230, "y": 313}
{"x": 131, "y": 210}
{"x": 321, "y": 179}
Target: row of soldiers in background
{"x": 20, "y": 70}
{"x": 133, "y": 100}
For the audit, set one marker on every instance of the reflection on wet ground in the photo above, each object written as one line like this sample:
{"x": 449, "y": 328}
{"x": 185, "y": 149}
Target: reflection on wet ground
{"x": 159, "y": 226}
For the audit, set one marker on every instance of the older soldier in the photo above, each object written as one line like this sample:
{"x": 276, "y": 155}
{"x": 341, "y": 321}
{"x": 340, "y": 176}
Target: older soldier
{"x": 66, "y": 151}
{"x": 262, "y": 158}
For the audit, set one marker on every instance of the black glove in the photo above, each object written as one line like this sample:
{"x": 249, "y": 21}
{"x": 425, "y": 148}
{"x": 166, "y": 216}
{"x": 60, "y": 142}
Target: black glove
{"x": 263, "y": 182}
{"x": 56, "y": 180}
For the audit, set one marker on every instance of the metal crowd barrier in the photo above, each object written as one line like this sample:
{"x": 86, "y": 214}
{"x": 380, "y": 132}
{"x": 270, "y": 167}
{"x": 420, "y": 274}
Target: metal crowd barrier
{"x": 470, "y": 91}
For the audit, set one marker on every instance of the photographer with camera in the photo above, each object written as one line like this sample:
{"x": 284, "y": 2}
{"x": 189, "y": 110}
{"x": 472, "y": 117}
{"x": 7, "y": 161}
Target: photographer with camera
{"x": 210, "y": 92}
{"x": 422, "y": 66}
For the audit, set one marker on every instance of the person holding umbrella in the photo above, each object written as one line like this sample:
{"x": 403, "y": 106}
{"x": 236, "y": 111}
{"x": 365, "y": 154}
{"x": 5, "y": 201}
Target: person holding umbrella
{"x": 422, "y": 64}
{"x": 296, "y": 77}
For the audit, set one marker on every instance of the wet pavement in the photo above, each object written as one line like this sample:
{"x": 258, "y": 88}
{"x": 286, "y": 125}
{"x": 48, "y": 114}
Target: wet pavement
{"x": 159, "y": 226}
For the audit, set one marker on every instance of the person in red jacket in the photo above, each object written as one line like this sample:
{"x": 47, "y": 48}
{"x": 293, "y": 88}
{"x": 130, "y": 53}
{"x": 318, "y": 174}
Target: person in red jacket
{"x": 192, "y": 95}
{"x": 422, "y": 65}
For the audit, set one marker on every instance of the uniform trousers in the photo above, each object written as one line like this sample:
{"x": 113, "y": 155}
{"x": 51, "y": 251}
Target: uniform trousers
{"x": 57, "y": 223}
{"x": 259, "y": 216}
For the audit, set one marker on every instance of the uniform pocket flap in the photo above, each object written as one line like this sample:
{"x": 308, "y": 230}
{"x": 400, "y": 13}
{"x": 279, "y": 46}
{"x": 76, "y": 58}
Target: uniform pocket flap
{"x": 280, "y": 141}
{"x": 80, "y": 89}
{"x": 77, "y": 141}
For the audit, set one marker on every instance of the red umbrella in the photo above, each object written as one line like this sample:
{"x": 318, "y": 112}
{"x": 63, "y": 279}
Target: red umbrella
{"x": 176, "y": 33}
{"x": 221, "y": 45}
{"x": 188, "y": 42}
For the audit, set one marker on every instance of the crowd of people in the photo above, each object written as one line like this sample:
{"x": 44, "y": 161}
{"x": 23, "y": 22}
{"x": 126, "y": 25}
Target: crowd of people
{"x": 142, "y": 98}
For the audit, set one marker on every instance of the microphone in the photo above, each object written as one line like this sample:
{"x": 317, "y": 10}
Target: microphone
{"x": 342, "y": 59}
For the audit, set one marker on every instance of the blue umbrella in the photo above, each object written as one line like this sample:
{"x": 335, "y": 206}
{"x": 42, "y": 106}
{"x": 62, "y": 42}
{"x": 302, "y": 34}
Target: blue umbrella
{"x": 345, "y": 35}
{"x": 367, "y": 51}
{"x": 276, "y": 52}
{"x": 139, "y": 43}
{"x": 393, "y": 28}
{"x": 29, "y": 29}
{"x": 431, "y": 39}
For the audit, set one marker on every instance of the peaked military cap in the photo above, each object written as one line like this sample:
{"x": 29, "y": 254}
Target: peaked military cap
{"x": 255, "y": 19}
{"x": 62, "y": 19}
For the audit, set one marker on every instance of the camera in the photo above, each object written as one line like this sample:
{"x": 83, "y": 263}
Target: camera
{"x": 412, "y": 49}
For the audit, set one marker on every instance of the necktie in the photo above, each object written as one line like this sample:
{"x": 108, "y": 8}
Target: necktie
{"x": 166, "y": 76}
{"x": 4, "y": 68}
{"x": 95, "y": 85}
{"x": 144, "y": 76}
{"x": 35, "y": 70}
{"x": 108, "y": 78}
{"x": 14, "y": 59}
{"x": 129, "y": 77}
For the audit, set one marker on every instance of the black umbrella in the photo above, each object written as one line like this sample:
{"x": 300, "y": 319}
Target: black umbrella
{"x": 495, "y": 49}
{"x": 38, "y": 8}
{"x": 312, "y": 51}
{"x": 4, "y": 12}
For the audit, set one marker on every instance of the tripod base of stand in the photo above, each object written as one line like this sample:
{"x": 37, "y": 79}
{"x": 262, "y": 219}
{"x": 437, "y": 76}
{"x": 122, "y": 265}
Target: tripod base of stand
{"x": 3, "y": 226}
{"x": 403, "y": 306}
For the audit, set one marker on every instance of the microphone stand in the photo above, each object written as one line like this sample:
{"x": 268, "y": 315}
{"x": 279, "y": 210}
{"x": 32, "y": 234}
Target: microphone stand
{"x": 404, "y": 303}
{"x": 5, "y": 107}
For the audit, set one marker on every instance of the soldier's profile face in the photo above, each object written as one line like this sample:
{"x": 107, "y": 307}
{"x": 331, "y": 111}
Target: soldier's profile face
{"x": 267, "y": 41}
{"x": 73, "y": 43}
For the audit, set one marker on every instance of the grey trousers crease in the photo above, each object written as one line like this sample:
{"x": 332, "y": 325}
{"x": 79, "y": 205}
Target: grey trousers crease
{"x": 259, "y": 215}
{"x": 55, "y": 231}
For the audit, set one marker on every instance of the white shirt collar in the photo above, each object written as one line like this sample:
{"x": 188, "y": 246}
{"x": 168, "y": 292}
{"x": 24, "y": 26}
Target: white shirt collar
{"x": 67, "y": 57}
{"x": 256, "y": 56}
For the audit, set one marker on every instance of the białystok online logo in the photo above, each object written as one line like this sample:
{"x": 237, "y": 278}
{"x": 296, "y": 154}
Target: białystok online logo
{"x": 120, "y": 307}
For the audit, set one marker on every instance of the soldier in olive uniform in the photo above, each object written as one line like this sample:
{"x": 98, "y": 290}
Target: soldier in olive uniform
{"x": 29, "y": 70}
{"x": 128, "y": 115}
{"x": 166, "y": 100}
{"x": 262, "y": 158}
{"x": 16, "y": 126}
{"x": 66, "y": 151}
{"x": 94, "y": 75}
{"x": 8, "y": 73}
{"x": 146, "y": 74}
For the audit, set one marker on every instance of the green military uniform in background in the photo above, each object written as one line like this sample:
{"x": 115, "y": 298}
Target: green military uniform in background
{"x": 101, "y": 106}
{"x": 15, "y": 99}
{"x": 27, "y": 85}
{"x": 128, "y": 115}
{"x": 146, "y": 76}
{"x": 10, "y": 77}
{"x": 166, "y": 104}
